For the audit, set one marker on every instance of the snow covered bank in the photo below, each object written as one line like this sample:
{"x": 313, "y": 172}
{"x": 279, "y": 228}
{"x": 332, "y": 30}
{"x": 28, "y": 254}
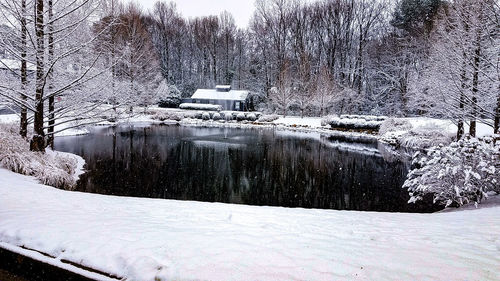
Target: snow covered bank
{"x": 423, "y": 132}
{"x": 14, "y": 118}
{"x": 144, "y": 239}
{"x": 9, "y": 118}
{"x": 355, "y": 122}
{"x": 415, "y": 133}
{"x": 313, "y": 122}
{"x": 53, "y": 168}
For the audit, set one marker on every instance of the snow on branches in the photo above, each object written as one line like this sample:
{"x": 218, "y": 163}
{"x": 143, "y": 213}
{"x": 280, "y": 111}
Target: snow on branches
{"x": 458, "y": 174}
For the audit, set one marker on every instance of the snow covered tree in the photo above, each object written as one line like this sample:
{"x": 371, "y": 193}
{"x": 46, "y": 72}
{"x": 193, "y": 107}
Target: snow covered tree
{"x": 164, "y": 32}
{"x": 460, "y": 173}
{"x": 168, "y": 95}
{"x": 325, "y": 89}
{"x": 54, "y": 49}
{"x": 459, "y": 79}
{"x": 284, "y": 94}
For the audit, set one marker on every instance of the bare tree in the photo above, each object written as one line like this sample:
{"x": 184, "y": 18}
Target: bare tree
{"x": 284, "y": 94}
{"x": 324, "y": 91}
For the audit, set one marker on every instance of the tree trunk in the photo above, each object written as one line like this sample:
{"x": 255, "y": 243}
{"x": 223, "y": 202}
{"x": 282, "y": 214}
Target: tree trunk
{"x": 38, "y": 141}
{"x": 497, "y": 115}
{"x": 24, "y": 75}
{"x": 461, "y": 106}
{"x": 461, "y": 130}
{"x": 475, "y": 84}
{"x": 113, "y": 60}
{"x": 50, "y": 139}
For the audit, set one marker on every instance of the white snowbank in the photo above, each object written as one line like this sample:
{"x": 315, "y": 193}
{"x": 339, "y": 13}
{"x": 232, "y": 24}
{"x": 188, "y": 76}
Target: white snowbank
{"x": 313, "y": 122}
{"x": 80, "y": 162}
{"x": 423, "y": 132}
{"x": 144, "y": 239}
{"x": 53, "y": 168}
{"x": 199, "y": 106}
{"x": 423, "y": 123}
{"x": 9, "y": 118}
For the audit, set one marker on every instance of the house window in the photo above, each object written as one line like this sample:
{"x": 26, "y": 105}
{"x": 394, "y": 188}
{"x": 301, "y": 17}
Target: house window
{"x": 237, "y": 106}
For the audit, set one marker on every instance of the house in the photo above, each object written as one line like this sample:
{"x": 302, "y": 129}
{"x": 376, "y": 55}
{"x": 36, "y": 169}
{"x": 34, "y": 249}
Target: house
{"x": 234, "y": 100}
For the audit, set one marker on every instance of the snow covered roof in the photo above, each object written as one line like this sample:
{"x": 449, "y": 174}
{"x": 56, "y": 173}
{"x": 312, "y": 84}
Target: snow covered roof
{"x": 15, "y": 65}
{"x": 223, "y": 88}
{"x": 213, "y": 94}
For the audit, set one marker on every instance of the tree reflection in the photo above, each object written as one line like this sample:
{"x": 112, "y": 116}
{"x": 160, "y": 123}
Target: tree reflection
{"x": 257, "y": 167}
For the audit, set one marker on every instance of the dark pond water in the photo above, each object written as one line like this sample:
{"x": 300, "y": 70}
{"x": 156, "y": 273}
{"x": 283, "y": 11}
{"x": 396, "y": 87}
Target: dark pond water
{"x": 246, "y": 166}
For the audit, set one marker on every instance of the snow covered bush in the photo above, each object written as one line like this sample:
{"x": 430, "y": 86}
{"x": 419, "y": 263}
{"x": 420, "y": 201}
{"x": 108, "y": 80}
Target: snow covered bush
{"x": 166, "y": 115}
{"x": 461, "y": 173}
{"x": 394, "y": 125}
{"x": 191, "y": 115}
{"x": 216, "y": 116}
{"x": 169, "y": 95}
{"x": 56, "y": 170}
{"x": 417, "y": 135}
{"x": 365, "y": 117}
{"x": 228, "y": 116}
{"x": 198, "y": 115}
{"x": 251, "y": 117}
{"x": 355, "y": 122}
{"x": 268, "y": 118}
{"x": 14, "y": 151}
{"x": 421, "y": 138}
{"x": 240, "y": 116}
{"x": 199, "y": 106}
{"x": 205, "y": 116}
{"x": 50, "y": 168}
{"x": 325, "y": 121}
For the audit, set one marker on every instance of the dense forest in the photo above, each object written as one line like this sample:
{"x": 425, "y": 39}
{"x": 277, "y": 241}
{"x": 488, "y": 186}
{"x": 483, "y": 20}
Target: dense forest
{"x": 399, "y": 58}
{"x": 414, "y": 57}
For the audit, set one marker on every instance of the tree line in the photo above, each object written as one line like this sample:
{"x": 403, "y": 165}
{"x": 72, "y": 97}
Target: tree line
{"x": 413, "y": 57}
{"x": 405, "y": 58}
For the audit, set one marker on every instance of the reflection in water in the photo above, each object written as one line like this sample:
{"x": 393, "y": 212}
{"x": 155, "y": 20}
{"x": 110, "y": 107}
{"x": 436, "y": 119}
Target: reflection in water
{"x": 249, "y": 166}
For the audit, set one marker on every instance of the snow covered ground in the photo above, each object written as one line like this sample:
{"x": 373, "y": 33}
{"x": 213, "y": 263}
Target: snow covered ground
{"x": 423, "y": 132}
{"x": 144, "y": 239}
{"x": 418, "y": 124}
{"x": 313, "y": 122}
{"x": 423, "y": 123}
{"x": 9, "y": 118}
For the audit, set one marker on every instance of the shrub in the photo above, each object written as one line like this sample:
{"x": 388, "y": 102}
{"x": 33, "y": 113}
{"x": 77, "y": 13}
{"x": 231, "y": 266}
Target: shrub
{"x": 169, "y": 95}
{"x": 325, "y": 121}
{"x": 49, "y": 168}
{"x": 191, "y": 115}
{"x": 463, "y": 172}
{"x": 394, "y": 124}
{"x": 251, "y": 117}
{"x": 198, "y": 115}
{"x": 165, "y": 115}
{"x": 268, "y": 118}
{"x": 216, "y": 116}
{"x": 240, "y": 116}
{"x": 205, "y": 116}
{"x": 402, "y": 133}
{"x": 199, "y": 106}
{"x": 228, "y": 116}
{"x": 354, "y": 123}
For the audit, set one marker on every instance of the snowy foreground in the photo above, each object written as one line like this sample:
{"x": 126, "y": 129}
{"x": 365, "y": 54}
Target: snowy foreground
{"x": 144, "y": 239}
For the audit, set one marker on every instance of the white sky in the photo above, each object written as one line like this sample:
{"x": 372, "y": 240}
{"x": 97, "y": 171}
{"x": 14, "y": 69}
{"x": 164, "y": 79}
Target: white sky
{"x": 242, "y": 10}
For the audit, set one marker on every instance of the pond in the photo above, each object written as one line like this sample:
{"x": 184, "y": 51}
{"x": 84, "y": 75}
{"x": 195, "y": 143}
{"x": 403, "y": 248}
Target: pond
{"x": 244, "y": 166}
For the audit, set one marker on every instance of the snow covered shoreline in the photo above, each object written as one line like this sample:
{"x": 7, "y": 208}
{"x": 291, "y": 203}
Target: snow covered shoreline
{"x": 418, "y": 133}
{"x": 144, "y": 239}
